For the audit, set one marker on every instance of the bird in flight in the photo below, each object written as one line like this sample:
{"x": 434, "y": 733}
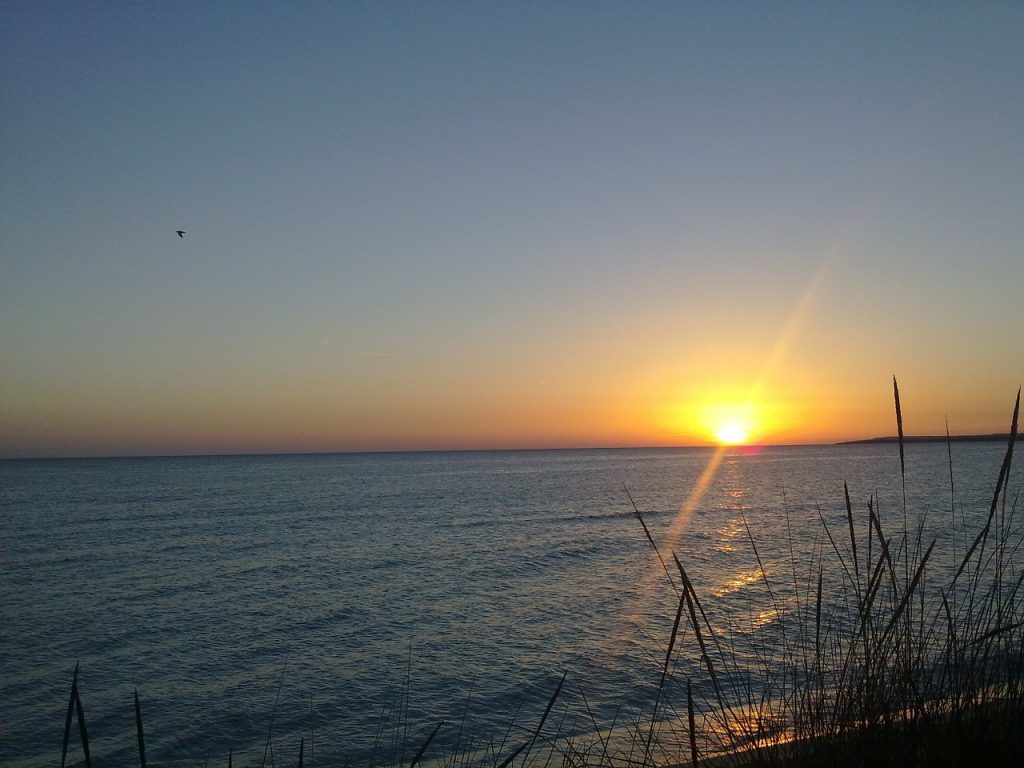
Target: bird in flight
{"x": 181, "y": 233}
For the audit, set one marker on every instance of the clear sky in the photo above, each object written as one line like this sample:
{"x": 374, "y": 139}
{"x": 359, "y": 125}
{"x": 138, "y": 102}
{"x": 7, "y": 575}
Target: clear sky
{"x": 523, "y": 224}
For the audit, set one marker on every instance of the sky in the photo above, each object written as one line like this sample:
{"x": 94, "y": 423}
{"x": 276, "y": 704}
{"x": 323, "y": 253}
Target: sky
{"x": 473, "y": 225}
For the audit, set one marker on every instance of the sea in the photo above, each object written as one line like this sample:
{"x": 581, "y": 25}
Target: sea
{"x": 352, "y": 602}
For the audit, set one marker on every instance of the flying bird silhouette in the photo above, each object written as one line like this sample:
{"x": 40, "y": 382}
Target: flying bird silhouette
{"x": 181, "y": 233}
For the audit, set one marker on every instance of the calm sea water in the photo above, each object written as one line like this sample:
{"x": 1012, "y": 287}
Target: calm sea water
{"x": 334, "y": 584}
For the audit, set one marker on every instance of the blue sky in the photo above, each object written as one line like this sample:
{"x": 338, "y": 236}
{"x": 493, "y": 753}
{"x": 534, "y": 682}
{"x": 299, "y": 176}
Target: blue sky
{"x": 478, "y": 225}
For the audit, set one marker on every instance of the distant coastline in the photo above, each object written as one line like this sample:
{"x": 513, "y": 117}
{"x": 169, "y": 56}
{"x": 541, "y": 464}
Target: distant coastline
{"x": 994, "y": 438}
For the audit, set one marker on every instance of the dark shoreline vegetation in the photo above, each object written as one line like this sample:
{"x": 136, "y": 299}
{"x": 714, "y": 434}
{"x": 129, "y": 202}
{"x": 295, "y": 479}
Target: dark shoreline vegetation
{"x": 883, "y": 654}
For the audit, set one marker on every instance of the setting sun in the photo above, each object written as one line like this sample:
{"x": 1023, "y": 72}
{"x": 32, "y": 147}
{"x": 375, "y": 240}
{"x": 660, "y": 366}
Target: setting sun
{"x": 723, "y": 415}
{"x": 731, "y": 433}
{"x": 730, "y": 423}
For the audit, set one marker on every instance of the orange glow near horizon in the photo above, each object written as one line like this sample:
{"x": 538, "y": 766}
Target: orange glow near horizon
{"x": 725, "y": 421}
{"x": 723, "y": 412}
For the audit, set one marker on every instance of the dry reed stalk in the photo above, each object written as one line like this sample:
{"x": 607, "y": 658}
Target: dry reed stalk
{"x": 426, "y": 744}
{"x": 508, "y": 731}
{"x": 268, "y": 749}
{"x": 691, "y": 723}
{"x": 508, "y": 760}
{"x": 67, "y": 719}
{"x": 637, "y": 514}
{"x": 1004, "y": 471}
{"x": 558, "y": 733}
{"x": 81, "y": 725}
{"x": 547, "y": 711}
{"x": 691, "y": 599}
{"x": 664, "y": 675}
{"x": 817, "y": 627}
{"x": 312, "y": 723}
{"x": 832, "y": 541}
{"x": 853, "y": 537}
{"x": 465, "y": 713}
{"x": 903, "y": 479}
{"x": 528, "y": 745}
{"x": 138, "y": 730}
{"x": 593, "y": 721}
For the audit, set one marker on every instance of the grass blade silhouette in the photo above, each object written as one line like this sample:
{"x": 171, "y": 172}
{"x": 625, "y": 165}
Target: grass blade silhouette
{"x": 81, "y": 726}
{"x": 664, "y": 675}
{"x": 1003, "y": 472}
{"x": 853, "y": 537}
{"x": 268, "y": 749}
{"x": 639, "y": 516}
{"x": 899, "y": 426}
{"x": 426, "y": 744}
{"x": 508, "y": 760}
{"x": 691, "y": 721}
{"x": 138, "y": 729}
{"x": 67, "y": 719}
{"x": 547, "y": 710}
{"x": 907, "y": 595}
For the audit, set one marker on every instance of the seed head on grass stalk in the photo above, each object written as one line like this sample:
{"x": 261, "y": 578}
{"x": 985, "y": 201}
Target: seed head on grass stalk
{"x": 899, "y": 427}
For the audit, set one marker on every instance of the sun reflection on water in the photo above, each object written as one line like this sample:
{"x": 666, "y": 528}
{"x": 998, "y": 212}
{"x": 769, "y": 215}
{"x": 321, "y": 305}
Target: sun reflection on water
{"x": 737, "y": 582}
{"x": 765, "y": 618}
{"x": 727, "y": 534}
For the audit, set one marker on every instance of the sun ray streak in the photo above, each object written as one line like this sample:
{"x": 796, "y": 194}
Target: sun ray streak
{"x": 686, "y": 511}
{"x": 682, "y": 519}
{"x": 797, "y": 318}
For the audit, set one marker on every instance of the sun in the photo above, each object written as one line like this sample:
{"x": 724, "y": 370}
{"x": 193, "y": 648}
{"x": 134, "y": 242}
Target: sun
{"x": 731, "y": 433}
{"x": 720, "y": 419}
{"x": 731, "y": 423}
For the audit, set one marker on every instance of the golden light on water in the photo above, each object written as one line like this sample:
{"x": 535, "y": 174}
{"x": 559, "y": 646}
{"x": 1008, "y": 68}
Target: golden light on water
{"x": 737, "y": 582}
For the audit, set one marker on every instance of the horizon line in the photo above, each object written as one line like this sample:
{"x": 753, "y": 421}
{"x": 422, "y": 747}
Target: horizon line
{"x": 881, "y": 440}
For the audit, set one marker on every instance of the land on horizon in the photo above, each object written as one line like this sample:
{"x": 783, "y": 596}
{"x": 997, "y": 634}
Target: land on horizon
{"x": 997, "y": 437}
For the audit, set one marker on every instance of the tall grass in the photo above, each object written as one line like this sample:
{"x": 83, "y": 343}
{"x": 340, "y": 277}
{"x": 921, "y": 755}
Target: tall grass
{"x": 889, "y": 656}
{"x": 913, "y": 665}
